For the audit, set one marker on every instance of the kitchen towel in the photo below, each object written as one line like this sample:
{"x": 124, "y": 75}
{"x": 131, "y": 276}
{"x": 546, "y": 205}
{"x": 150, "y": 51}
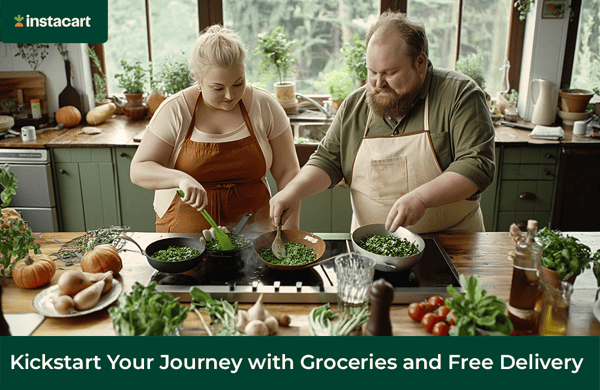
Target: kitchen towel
{"x": 23, "y": 324}
{"x": 546, "y": 132}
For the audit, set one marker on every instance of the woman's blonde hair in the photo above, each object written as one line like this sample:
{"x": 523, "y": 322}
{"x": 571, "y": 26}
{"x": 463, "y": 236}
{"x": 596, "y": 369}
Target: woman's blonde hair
{"x": 216, "y": 46}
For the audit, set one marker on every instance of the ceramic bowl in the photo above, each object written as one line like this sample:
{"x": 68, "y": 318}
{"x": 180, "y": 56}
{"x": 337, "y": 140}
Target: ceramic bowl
{"x": 569, "y": 118}
{"x": 388, "y": 263}
{"x": 6, "y": 122}
{"x": 575, "y": 100}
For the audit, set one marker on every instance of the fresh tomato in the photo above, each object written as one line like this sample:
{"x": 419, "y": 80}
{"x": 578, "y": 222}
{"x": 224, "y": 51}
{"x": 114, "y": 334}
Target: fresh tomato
{"x": 416, "y": 311}
{"x": 451, "y": 317}
{"x": 429, "y": 320}
{"x": 443, "y": 311}
{"x": 435, "y": 301}
{"x": 440, "y": 329}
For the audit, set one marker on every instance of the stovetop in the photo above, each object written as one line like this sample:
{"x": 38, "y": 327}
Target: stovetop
{"x": 246, "y": 277}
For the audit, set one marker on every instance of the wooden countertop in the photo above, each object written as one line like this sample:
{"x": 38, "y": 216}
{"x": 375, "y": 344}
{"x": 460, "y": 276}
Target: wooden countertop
{"x": 481, "y": 254}
{"x": 122, "y": 131}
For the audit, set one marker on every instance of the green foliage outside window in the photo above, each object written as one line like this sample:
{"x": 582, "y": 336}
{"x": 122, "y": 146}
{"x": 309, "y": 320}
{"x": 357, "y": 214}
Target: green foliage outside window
{"x": 472, "y": 66}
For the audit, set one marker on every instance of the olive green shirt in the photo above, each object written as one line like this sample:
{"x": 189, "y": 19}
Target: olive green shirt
{"x": 461, "y": 129}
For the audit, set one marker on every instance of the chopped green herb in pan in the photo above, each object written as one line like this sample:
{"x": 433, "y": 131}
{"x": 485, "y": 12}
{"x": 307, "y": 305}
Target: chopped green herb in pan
{"x": 388, "y": 246}
{"x": 176, "y": 253}
{"x": 295, "y": 254}
{"x": 238, "y": 241}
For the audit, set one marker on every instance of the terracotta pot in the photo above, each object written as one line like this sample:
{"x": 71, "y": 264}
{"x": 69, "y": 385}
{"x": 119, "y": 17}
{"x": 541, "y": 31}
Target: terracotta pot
{"x": 551, "y": 278}
{"x": 134, "y": 107}
{"x": 575, "y": 100}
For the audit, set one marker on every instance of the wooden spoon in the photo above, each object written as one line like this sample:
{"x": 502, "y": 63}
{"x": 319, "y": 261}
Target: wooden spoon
{"x": 278, "y": 247}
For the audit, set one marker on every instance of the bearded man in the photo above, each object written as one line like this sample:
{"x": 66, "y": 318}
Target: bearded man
{"x": 415, "y": 144}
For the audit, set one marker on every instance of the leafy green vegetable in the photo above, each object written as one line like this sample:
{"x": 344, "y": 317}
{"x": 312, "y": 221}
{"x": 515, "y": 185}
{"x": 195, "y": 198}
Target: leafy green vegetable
{"x": 295, "y": 254}
{"x": 147, "y": 312}
{"x": 320, "y": 321}
{"x": 563, "y": 253}
{"x": 476, "y": 313}
{"x": 10, "y": 182}
{"x": 238, "y": 241}
{"x": 221, "y": 312}
{"x": 388, "y": 245}
{"x": 176, "y": 253}
{"x": 15, "y": 243}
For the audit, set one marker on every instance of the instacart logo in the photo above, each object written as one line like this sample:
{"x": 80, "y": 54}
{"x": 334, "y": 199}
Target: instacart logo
{"x": 50, "y": 21}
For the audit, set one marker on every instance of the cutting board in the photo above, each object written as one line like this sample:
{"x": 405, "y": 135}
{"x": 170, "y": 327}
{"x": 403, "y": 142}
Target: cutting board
{"x": 69, "y": 96}
{"x": 33, "y": 85}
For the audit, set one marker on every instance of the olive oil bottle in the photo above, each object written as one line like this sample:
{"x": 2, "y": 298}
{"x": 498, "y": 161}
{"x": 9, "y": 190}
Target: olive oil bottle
{"x": 524, "y": 290}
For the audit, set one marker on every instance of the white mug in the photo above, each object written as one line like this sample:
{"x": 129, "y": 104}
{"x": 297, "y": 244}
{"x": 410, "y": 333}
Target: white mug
{"x": 579, "y": 128}
{"x": 28, "y": 133}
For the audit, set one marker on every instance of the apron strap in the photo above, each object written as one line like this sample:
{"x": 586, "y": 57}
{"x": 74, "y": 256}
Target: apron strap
{"x": 242, "y": 109}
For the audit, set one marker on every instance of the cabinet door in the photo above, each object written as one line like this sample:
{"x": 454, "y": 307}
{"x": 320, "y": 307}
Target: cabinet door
{"x": 137, "y": 210}
{"x": 341, "y": 210}
{"x": 99, "y": 193}
{"x": 70, "y": 202}
{"x": 488, "y": 198}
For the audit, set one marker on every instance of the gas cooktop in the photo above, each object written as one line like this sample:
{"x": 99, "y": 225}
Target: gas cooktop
{"x": 244, "y": 278}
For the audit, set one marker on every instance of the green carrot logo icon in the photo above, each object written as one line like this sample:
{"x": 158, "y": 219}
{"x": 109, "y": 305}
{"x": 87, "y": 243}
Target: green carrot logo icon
{"x": 18, "y": 18}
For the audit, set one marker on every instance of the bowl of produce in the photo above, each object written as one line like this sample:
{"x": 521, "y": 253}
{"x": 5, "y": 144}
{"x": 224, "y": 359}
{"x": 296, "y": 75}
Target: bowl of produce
{"x": 174, "y": 254}
{"x": 393, "y": 251}
{"x": 302, "y": 250}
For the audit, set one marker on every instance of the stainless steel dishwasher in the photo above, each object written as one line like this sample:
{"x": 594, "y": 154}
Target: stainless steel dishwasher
{"x": 34, "y": 198}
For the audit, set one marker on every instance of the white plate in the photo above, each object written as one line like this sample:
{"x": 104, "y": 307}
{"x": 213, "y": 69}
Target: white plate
{"x": 43, "y": 303}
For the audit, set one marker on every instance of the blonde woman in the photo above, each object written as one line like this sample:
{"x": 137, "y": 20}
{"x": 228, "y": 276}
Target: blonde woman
{"x": 216, "y": 141}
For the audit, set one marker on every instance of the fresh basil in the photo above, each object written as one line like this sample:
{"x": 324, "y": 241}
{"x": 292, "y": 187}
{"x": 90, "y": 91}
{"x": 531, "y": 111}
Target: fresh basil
{"x": 221, "y": 312}
{"x": 477, "y": 314}
{"x": 563, "y": 253}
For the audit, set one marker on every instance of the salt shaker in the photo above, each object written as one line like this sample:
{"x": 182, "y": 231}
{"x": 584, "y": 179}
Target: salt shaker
{"x": 380, "y": 297}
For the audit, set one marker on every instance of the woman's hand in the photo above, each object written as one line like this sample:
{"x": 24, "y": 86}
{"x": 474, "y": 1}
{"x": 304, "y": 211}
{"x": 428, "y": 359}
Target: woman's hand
{"x": 195, "y": 194}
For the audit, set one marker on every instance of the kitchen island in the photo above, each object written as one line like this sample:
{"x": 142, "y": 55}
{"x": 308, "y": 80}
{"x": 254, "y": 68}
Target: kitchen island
{"x": 481, "y": 254}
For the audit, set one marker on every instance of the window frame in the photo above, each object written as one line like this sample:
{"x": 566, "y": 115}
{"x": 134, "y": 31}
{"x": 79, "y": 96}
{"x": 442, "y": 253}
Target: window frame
{"x": 211, "y": 12}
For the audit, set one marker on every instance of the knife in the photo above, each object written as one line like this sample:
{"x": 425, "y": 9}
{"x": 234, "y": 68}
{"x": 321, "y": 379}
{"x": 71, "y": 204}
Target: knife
{"x": 516, "y": 125}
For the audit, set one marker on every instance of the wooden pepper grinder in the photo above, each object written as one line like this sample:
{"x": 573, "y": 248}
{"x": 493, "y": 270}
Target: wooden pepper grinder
{"x": 4, "y": 330}
{"x": 380, "y": 296}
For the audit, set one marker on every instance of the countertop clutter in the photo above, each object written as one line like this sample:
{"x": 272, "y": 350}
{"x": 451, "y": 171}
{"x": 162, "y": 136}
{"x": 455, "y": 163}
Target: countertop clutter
{"x": 481, "y": 254}
{"x": 122, "y": 131}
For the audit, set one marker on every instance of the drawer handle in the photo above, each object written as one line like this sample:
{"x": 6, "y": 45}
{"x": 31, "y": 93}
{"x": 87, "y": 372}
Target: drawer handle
{"x": 547, "y": 172}
{"x": 123, "y": 154}
{"x": 550, "y": 156}
{"x": 62, "y": 171}
{"x": 527, "y": 196}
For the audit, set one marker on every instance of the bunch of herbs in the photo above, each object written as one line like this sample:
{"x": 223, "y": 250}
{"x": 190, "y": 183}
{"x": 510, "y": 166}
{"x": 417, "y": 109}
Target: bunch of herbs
{"x": 563, "y": 253}
{"x": 15, "y": 243}
{"x": 320, "y": 321}
{"x": 147, "y": 312}
{"x": 295, "y": 254}
{"x": 10, "y": 182}
{"x": 477, "y": 314}
{"x": 388, "y": 245}
{"x": 221, "y": 312}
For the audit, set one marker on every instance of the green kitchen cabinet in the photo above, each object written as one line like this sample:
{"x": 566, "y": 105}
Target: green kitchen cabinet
{"x": 488, "y": 197}
{"x": 137, "y": 210}
{"x": 86, "y": 188}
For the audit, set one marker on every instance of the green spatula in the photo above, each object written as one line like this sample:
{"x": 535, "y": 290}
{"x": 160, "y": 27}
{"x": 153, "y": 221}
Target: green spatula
{"x": 223, "y": 239}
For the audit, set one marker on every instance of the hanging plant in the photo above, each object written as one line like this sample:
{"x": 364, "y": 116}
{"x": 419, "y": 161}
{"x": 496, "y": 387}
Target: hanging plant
{"x": 33, "y": 53}
{"x": 62, "y": 49}
{"x": 524, "y": 6}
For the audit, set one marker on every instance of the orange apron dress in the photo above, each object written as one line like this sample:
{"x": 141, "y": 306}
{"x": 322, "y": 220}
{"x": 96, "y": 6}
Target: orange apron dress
{"x": 385, "y": 168}
{"x": 231, "y": 172}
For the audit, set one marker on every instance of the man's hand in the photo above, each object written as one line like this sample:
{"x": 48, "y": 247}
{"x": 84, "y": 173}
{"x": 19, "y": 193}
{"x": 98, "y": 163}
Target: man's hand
{"x": 282, "y": 206}
{"x": 407, "y": 210}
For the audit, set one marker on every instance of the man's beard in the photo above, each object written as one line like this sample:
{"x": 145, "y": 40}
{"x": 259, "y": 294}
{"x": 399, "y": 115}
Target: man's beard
{"x": 386, "y": 103}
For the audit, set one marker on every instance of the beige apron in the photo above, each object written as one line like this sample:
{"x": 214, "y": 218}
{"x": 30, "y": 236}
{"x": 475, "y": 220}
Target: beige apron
{"x": 388, "y": 167}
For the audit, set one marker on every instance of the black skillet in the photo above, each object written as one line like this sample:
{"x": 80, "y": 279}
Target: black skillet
{"x": 171, "y": 267}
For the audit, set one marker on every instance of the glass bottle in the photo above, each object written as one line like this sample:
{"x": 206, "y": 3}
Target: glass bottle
{"x": 524, "y": 290}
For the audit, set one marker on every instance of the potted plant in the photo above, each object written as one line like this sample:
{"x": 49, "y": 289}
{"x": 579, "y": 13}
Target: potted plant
{"x": 276, "y": 52}
{"x": 355, "y": 57}
{"x": 472, "y": 66}
{"x": 564, "y": 257}
{"x": 99, "y": 79}
{"x": 133, "y": 82}
{"x": 510, "y": 111}
{"x": 339, "y": 84}
{"x": 174, "y": 76}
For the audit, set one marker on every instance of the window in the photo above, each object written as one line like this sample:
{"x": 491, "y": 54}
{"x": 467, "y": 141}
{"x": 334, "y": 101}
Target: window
{"x": 153, "y": 30}
{"x": 586, "y": 64}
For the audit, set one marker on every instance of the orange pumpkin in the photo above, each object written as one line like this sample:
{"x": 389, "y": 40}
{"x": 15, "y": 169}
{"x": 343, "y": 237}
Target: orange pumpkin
{"x": 102, "y": 258}
{"x": 68, "y": 115}
{"x": 34, "y": 271}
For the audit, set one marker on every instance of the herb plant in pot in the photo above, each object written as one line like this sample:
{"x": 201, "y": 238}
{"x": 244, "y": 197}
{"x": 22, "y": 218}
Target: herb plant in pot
{"x": 174, "y": 76}
{"x": 276, "y": 53}
{"x": 564, "y": 257}
{"x": 133, "y": 81}
{"x": 339, "y": 85}
{"x": 355, "y": 57}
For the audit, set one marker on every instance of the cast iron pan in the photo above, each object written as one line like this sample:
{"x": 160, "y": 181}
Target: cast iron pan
{"x": 298, "y": 237}
{"x": 171, "y": 267}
